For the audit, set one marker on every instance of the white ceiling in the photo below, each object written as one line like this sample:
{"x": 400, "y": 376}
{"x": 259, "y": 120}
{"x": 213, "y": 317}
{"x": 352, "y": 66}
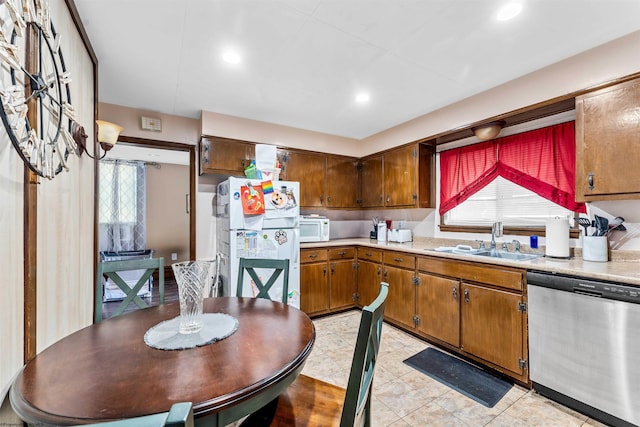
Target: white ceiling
{"x": 304, "y": 60}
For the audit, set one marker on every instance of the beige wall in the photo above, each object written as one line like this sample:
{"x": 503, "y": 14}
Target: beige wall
{"x": 167, "y": 217}
{"x": 174, "y": 128}
{"x": 65, "y": 228}
{"x": 216, "y": 124}
{"x": 599, "y": 65}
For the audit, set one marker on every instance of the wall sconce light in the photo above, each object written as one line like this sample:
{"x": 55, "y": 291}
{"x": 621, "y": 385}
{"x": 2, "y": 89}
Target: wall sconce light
{"x": 107, "y": 137}
{"x": 488, "y": 130}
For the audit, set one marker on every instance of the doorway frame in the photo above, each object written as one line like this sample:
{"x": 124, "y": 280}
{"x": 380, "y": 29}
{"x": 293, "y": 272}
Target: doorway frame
{"x": 164, "y": 145}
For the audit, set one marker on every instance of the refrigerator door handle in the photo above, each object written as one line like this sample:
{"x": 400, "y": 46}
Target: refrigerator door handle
{"x": 296, "y": 244}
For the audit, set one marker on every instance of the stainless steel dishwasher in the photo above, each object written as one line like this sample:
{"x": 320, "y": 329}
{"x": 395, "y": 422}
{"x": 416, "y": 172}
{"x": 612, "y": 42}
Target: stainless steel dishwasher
{"x": 584, "y": 345}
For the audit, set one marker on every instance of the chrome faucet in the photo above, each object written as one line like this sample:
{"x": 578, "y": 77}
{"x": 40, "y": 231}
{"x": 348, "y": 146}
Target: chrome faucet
{"x": 496, "y": 231}
{"x": 516, "y": 243}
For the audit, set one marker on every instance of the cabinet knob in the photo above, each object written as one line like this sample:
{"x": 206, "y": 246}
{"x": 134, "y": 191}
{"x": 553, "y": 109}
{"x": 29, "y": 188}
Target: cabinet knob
{"x": 590, "y": 181}
{"x": 379, "y": 271}
{"x": 388, "y": 198}
{"x": 454, "y": 293}
{"x": 384, "y": 274}
{"x": 397, "y": 259}
{"x": 466, "y": 296}
{"x": 333, "y": 268}
{"x": 342, "y": 253}
{"x": 324, "y": 270}
{"x": 328, "y": 200}
{"x": 313, "y": 256}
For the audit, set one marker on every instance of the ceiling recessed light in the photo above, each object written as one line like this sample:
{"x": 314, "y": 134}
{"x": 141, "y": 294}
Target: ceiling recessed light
{"x": 231, "y": 57}
{"x": 363, "y": 97}
{"x": 509, "y": 11}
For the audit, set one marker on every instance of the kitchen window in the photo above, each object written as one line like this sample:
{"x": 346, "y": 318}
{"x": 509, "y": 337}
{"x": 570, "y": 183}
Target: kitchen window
{"x": 122, "y": 205}
{"x": 519, "y": 179}
{"x": 502, "y": 200}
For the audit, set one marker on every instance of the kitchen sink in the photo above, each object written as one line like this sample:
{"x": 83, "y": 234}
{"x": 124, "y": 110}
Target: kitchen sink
{"x": 516, "y": 256}
{"x": 490, "y": 253}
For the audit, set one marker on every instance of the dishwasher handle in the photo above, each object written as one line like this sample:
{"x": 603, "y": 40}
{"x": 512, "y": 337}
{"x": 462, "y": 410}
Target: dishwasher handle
{"x": 587, "y": 292}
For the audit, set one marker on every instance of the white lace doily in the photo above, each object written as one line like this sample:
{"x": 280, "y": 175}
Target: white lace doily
{"x": 165, "y": 335}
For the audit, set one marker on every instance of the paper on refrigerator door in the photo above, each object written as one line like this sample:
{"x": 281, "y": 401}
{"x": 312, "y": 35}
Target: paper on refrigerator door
{"x": 265, "y": 156}
{"x": 255, "y": 244}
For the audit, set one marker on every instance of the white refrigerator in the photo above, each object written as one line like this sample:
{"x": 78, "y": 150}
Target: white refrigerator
{"x": 273, "y": 234}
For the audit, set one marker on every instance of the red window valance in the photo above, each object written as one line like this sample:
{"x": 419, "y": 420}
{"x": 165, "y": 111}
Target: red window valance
{"x": 541, "y": 160}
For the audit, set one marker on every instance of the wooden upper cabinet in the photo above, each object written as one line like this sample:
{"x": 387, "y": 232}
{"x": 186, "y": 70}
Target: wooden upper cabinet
{"x": 401, "y": 177}
{"x": 400, "y": 171}
{"x": 371, "y": 189}
{"x": 309, "y": 169}
{"x": 608, "y": 143}
{"x": 225, "y": 156}
{"x": 342, "y": 179}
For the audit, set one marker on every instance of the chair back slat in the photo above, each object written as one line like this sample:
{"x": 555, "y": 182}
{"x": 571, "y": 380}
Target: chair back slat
{"x": 357, "y": 403}
{"x": 111, "y": 269}
{"x": 279, "y": 267}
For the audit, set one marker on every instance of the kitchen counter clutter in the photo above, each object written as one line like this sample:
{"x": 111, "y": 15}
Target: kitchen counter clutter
{"x": 624, "y": 266}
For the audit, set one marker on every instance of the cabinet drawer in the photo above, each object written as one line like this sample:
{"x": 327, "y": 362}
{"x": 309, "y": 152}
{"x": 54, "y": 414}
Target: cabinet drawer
{"x": 342, "y": 253}
{"x": 313, "y": 255}
{"x": 482, "y": 273}
{"x": 368, "y": 254}
{"x": 399, "y": 259}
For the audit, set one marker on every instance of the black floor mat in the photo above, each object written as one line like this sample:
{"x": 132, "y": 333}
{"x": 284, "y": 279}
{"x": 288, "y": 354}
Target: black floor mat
{"x": 463, "y": 377}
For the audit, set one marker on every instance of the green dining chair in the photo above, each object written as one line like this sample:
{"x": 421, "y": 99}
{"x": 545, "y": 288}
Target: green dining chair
{"x": 279, "y": 266}
{"x": 312, "y": 402}
{"x": 180, "y": 414}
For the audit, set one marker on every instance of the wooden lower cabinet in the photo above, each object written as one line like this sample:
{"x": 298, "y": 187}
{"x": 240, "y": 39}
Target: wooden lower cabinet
{"x": 399, "y": 272}
{"x": 342, "y": 284}
{"x": 369, "y": 278}
{"x": 492, "y": 326}
{"x": 313, "y": 288}
{"x": 476, "y": 309}
{"x": 327, "y": 280}
{"x": 438, "y": 308}
{"x": 470, "y": 308}
{"x": 369, "y": 274}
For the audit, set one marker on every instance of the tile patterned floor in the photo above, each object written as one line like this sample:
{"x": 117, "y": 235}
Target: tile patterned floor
{"x": 403, "y": 396}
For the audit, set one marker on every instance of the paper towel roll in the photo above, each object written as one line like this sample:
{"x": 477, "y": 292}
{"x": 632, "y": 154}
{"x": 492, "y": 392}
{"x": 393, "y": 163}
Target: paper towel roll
{"x": 557, "y": 234}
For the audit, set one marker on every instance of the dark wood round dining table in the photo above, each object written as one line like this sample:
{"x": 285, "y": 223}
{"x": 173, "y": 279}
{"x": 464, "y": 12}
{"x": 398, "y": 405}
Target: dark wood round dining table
{"x": 106, "y": 371}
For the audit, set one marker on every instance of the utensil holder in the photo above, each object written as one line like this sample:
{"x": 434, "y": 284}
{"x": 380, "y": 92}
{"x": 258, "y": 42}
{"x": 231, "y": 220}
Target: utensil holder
{"x": 595, "y": 248}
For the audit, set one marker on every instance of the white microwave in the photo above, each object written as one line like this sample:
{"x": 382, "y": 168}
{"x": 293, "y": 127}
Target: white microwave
{"x": 314, "y": 229}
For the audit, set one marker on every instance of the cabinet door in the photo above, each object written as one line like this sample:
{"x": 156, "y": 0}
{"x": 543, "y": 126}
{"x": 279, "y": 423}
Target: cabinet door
{"x": 222, "y": 155}
{"x": 369, "y": 278}
{"x": 438, "y": 308}
{"x": 342, "y": 284}
{"x": 342, "y": 176}
{"x": 314, "y": 292}
{"x": 371, "y": 190}
{"x": 309, "y": 170}
{"x": 607, "y": 143}
{"x": 400, "y": 176}
{"x": 492, "y": 326}
{"x": 400, "y": 304}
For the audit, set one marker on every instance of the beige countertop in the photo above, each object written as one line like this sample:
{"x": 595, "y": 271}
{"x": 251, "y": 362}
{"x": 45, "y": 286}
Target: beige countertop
{"x": 624, "y": 267}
